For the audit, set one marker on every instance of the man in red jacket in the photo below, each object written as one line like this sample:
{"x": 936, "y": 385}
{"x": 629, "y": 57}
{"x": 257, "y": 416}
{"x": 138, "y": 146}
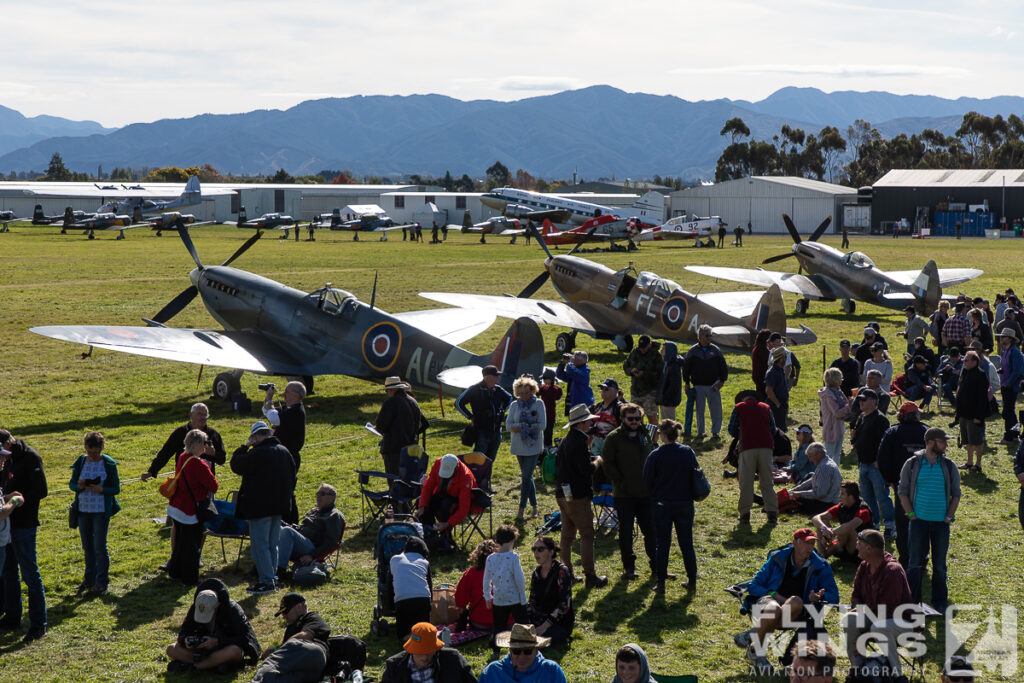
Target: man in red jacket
{"x": 447, "y": 493}
{"x": 752, "y": 424}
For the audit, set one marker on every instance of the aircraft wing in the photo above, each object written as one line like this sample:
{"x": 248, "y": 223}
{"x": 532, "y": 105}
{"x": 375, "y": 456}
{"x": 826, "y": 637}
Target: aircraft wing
{"x": 947, "y": 276}
{"x": 790, "y": 282}
{"x": 736, "y": 304}
{"x": 108, "y": 192}
{"x": 540, "y": 310}
{"x": 123, "y": 227}
{"x": 453, "y": 325}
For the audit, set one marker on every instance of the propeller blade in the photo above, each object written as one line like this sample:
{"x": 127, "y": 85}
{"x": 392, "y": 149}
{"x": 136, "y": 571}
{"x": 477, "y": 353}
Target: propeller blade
{"x": 242, "y": 249}
{"x": 532, "y": 288}
{"x": 177, "y": 304}
{"x": 373, "y": 295}
{"x": 773, "y": 259}
{"x": 792, "y": 228}
{"x": 583, "y": 240}
{"x": 540, "y": 239}
{"x": 820, "y": 230}
{"x": 183, "y": 233}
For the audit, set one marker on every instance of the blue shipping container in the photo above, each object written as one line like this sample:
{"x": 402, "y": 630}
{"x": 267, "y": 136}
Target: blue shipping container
{"x": 972, "y": 224}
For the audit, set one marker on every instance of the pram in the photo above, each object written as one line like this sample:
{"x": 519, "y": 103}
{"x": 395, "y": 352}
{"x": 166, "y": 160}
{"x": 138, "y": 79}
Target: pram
{"x": 391, "y": 537}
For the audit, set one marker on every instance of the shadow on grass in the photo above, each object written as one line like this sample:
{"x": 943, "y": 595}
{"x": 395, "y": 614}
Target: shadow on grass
{"x": 153, "y": 599}
{"x": 744, "y": 536}
{"x": 979, "y": 483}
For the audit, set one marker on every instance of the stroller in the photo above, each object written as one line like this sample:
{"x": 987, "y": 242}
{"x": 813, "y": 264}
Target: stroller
{"x": 391, "y": 537}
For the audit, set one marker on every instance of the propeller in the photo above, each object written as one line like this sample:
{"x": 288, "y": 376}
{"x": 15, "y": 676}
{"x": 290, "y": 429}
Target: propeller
{"x": 818, "y": 232}
{"x": 238, "y": 252}
{"x": 773, "y": 259}
{"x": 792, "y": 228}
{"x": 536, "y": 284}
{"x": 176, "y": 305}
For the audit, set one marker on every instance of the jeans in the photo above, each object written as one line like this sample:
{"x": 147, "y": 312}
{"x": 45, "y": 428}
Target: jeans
{"x": 917, "y": 393}
{"x": 679, "y": 515}
{"x": 292, "y": 545}
{"x": 627, "y": 510}
{"x": 487, "y": 443}
{"x": 1009, "y": 397}
{"x": 875, "y": 493}
{"x": 527, "y": 489}
{"x": 92, "y": 527}
{"x": 263, "y": 537}
{"x": 713, "y": 397}
{"x": 19, "y": 564}
{"x": 834, "y": 449}
{"x": 688, "y": 420}
{"x": 902, "y": 531}
{"x": 925, "y": 535}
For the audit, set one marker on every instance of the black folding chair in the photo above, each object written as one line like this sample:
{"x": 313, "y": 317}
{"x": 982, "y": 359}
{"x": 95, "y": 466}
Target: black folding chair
{"x": 403, "y": 488}
{"x": 480, "y": 504}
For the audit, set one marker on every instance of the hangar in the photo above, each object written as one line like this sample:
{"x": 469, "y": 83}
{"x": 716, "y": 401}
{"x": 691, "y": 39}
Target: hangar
{"x": 761, "y": 201}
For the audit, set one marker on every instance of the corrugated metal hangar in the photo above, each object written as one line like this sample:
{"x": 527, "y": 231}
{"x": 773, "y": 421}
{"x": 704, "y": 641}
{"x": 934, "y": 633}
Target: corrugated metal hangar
{"x": 761, "y": 201}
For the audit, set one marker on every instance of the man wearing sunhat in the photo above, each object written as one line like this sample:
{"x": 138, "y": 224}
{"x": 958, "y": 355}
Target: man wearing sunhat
{"x": 302, "y": 654}
{"x": 425, "y": 658}
{"x": 264, "y": 496}
{"x": 574, "y": 471}
{"x": 399, "y": 422}
{"x": 1011, "y": 373}
{"x": 485, "y": 404}
{"x": 524, "y": 663}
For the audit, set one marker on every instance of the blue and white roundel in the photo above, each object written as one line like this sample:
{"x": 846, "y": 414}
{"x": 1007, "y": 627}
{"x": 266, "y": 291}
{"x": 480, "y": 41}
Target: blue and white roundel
{"x": 381, "y": 344}
{"x": 673, "y": 314}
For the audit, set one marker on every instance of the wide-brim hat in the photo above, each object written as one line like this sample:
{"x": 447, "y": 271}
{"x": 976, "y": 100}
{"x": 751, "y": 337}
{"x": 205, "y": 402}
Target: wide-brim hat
{"x": 423, "y": 639}
{"x": 579, "y": 413}
{"x": 395, "y": 383}
{"x": 1008, "y": 332}
{"x": 521, "y": 635}
{"x": 779, "y": 352}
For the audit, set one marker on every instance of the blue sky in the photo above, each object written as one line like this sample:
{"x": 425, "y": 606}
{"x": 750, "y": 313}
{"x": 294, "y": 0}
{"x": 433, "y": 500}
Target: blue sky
{"x": 122, "y": 62}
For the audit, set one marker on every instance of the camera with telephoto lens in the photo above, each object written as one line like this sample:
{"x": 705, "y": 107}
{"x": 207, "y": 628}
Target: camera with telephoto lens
{"x": 268, "y": 385}
{"x": 194, "y": 641}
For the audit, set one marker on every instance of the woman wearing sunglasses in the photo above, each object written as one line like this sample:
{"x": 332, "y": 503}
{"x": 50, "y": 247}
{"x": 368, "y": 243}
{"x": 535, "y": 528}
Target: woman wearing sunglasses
{"x": 550, "y": 604}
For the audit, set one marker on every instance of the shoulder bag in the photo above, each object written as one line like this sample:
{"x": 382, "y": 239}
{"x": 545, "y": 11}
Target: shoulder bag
{"x": 700, "y": 487}
{"x": 168, "y": 488}
{"x": 205, "y": 509}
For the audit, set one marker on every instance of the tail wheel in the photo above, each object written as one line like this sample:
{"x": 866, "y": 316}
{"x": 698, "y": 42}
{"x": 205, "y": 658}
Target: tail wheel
{"x": 848, "y": 305}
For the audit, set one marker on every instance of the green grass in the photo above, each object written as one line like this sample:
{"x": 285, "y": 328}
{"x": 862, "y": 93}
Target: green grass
{"x": 53, "y": 397}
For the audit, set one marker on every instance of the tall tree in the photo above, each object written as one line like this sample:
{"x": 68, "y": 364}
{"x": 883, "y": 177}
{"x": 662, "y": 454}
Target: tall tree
{"x": 498, "y": 175}
{"x": 57, "y": 171}
{"x": 735, "y": 128}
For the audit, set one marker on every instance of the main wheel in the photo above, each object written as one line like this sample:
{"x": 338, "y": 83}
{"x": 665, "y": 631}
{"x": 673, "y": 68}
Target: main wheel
{"x": 623, "y": 342}
{"x": 564, "y": 343}
{"x": 801, "y": 305}
{"x": 225, "y": 385}
{"x": 848, "y": 305}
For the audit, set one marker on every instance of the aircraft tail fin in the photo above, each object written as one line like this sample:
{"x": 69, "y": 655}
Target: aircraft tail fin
{"x": 520, "y": 350}
{"x": 336, "y": 218}
{"x": 137, "y": 216}
{"x": 927, "y": 289}
{"x": 652, "y": 208}
{"x": 38, "y": 214}
{"x": 242, "y": 217}
{"x": 770, "y": 312}
{"x": 547, "y": 228}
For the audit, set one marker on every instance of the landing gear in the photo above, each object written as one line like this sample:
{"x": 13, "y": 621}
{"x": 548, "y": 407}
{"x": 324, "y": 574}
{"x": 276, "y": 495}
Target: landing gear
{"x": 623, "y": 342}
{"x": 848, "y": 305}
{"x": 801, "y": 305}
{"x": 120, "y": 234}
{"x": 565, "y": 342}
{"x": 227, "y": 384}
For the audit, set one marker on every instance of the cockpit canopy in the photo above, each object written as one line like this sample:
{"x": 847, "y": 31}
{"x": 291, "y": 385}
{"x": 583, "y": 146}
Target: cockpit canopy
{"x": 330, "y": 299}
{"x": 656, "y": 285}
{"x": 858, "y": 260}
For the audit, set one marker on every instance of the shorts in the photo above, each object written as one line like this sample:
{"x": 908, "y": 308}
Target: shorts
{"x": 972, "y": 434}
{"x": 649, "y": 402}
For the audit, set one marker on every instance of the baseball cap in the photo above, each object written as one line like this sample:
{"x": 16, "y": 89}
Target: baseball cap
{"x": 935, "y": 433}
{"x": 205, "y": 604}
{"x": 643, "y": 340}
{"x": 909, "y": 407}
{"x": 953, "y": 351}
{"x": 609, "y": 384}
{"x": 844, "y": 343}
{"x": 957, "y": 665}
{"x": 448, "y": 464}
{"x": 258, "y": 427}
{"x": 804, "y": 535}
{"x": 869, "y": 332}
{"x": 803, "y": 429}
{"x": 490, "y": 370}
{"x": 288, "y": 601}
{"x": 867, "y": 393}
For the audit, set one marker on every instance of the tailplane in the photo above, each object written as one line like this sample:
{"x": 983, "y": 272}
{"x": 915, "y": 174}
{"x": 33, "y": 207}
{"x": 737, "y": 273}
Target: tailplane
{"x": 520, "y": 351}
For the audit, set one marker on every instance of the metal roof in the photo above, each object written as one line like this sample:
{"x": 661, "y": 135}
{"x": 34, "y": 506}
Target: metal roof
{"x": 981, "y": 177}
{"x": 807, "y": 184}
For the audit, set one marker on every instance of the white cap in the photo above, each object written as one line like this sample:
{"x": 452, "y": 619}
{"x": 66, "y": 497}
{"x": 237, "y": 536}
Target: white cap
{"x": 448, "y": 464}
{"x": 206, "y": 605}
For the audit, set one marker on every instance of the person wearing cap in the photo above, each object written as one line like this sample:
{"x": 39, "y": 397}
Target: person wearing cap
{"x": 288, "y": 419}
{"x": 958, "y": 670}
{"x": 526, "y": 421}
{"x": 195, "y": 482}
{"x": 446, "y": 494}
{"x": 573, "y": 369}
{"x": 834, "y": 408}
{"x": 776, "y": 386}
{"x": 915, "y": 326}
{"x": 950, "y": 367}
{"x": 880, "y": 603}
{"x": 96, "y": 483}
{"x": 919, "y": 386}
{"x": 866, "y": 435}
{"x": 400, "y": 422}
{"x": 849, "y": 367}
{"x": 606, "y": 413}
{"x": 921, "y": 349}
{"x": 820, "y": 490}
{"x": 625, "y": 451}
{"x": 812, "y": 661}
{"x": 972, "y": 409}
{"x": 956, "y": 331}
{"x": 800, "y": 465}
{"x": 265, "y": 495}
{"x": 549, "y": 393}
{"x": 524, "y": 663}
{"x": 706, "y": 371}
{"x": 484, "y": 404}
{"x": 865, "y": 350}
{"x": 899, "y": 442}
{"x": 643, "y": 365}
{"x": 670, "y": 384}
{"x": 320, "y": 532}
{"x": 930, "y": 493}
{"x": 1011, "y": 320}
{"x": 574, "y": 473}
{"x": 980, "y": 329}
{"x": 302, "y": 655}
{"x": 424, "y": 657}
{"x": 216, "y": 627}
{"x": 752, "y": 424}
{"x": 880, "y": 361}
{"x": 791, "y": 578}
{"x": 851, "y": 514}
{"x": 1011, "y": 374}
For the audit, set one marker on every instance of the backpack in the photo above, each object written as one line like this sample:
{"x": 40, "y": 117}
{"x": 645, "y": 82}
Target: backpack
{"x": 345, "y": 654}
{"x": 312, "y": 574}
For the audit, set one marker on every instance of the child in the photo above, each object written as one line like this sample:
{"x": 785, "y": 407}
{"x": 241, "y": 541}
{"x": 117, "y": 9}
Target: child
{"x": 549, "y": 393}
{"x": 504, "y": 581}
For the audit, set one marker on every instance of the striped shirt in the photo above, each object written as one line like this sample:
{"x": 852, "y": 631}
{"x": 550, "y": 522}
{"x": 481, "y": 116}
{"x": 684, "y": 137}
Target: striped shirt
{"x": 930, "y": 498}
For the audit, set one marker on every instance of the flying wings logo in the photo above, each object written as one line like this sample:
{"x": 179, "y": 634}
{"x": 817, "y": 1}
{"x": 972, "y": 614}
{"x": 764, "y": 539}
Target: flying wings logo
{"x": 673, "y": 314}
{"x": 381, "y": 344}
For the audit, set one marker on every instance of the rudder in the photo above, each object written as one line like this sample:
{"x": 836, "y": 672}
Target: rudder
{"x": 520, "y": 351}
{"x": 770, "y": 312}
{"x": 927, "y": 289}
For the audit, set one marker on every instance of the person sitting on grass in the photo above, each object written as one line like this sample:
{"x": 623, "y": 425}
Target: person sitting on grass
{"x": 820, "y": 491}
{"x": 813, "y": 661}
{"x": 631, "y": 665}
{"x": 799, "y": 466}
{"x": 852, "y": 515}
{"x": 524, "y": 663}
{"x": 424, "y": 657}
{"x": 216, "y": 635}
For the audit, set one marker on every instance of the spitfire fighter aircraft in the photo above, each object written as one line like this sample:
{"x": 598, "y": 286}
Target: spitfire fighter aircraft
{"x": 615, "y": 305}
{"x": 850, "y": 277}
{"x": 499, "y": 225}
{"x": 371, "y": 219}
{"x": 273, "y": 329}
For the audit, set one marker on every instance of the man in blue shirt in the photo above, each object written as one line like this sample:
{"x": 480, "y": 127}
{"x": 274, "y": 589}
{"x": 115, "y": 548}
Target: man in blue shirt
{"x": 776, "y": 386}
{"x": 485, "y": 405}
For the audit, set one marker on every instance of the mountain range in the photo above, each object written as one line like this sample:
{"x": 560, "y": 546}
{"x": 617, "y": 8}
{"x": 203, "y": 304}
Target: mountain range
{"x": 598, "y": 131}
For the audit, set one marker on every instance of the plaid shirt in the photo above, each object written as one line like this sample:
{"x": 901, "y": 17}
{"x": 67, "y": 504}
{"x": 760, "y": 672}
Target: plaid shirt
{"x": 421, "y": 675}
{"x": 956, "y": 329}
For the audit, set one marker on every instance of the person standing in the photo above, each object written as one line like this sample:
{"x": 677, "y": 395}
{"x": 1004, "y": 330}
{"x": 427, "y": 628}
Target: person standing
{"x": 573, "y": 369}
{"x": 643, "y": 365}
{"x": 1011, "y": 374}
{"x": 721, "y": 235}
{"x": 485, "y": 404}
{"x": 866, "y": 435}
{"x": 288, "y": 420}
{"x": 22, "y": 472}
{"x": 739, "y": 236}
{"x": 623, "y": 456}
{"x": 898, "y": 443}
{"x": 412, "y": 585}
{"x": 849, "y": 367}
{"x": 214, "y": 454}
{"x": 606, "y": 414}
{"x": 930, "y": 494}
{"x": 504, "y": 581}
{"x": 972, "y": 408}
{"x": 399, "y": 422}
{"x": 846, "y": 239}
{"x": 266, "y": 493}
{"x": 835, "y": 410}
{"x": 759, "y": 359}
{"x": 916, "y": 326}
{"x": 706, "y": 370}
{"x": 95, "y": 482}
{"x": 195, "y": 482}
{"x": 753, "y": 425}
{"x": 956, "y": 331}
{"x": 668, "y": 475}
{"x": 574, "y": 472}
{"x": 1018, "y": 471}
{"x": 526, "y": 422}
{"x": 550, "y": 393}
{"x": 936, "y": 322}
{"x": 670, "y": 386}
{"x": 776, "y": 387}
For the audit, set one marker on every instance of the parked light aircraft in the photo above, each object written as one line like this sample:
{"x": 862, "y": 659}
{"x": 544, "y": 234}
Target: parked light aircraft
{"x": 69, "y": 215}
{"x": 690, "y": 227}
{"x": 273, "y": 329}
{"x": 650, "y": 207}
{"x": 124, "y": 200}
{"x": 606, "y": 228}
{"x": 607, "y": 304}
{"x": 850, "y": 277}
{"x": 499, "y": 225}
{"x": 268, "y": 221}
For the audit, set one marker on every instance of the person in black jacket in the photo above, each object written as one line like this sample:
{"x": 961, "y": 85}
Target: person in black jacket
{"x": 972, "y": 407}
{"x": 216, "y": 633}
{"x": 288, "y": 421}
{"x": 1018, "y": 471}
{"x": 866, "y": 435}
{"x": 899, "y": 442}
{"x": 22, "y": 472}
{"x": 399, "y": 422}
{"x": 706, "y": 370}
{"x": 302, "y": 655}
{"x": 266, "y": 493}
{"x": 670, "y": 385}
{"x": 425, "y": 651}
{"x": 485, "y": 404}
{"x": 175, "y": 444}
{"x": 849, "y": 367}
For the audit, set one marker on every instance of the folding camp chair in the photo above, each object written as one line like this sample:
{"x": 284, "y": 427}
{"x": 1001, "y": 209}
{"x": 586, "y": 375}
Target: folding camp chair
{"x": 412, "y": 470}
{"x": 376, "y": 501}
{"x": 603, "y": 502}
{"x": 480, "y": 465}
{"x": 330, "y": 556}
{"x": 226, "y": 525}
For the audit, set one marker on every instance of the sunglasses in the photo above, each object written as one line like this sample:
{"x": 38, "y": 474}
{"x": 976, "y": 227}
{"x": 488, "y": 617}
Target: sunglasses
{"x": 632, "y": 418}
{"x": 521, "y": 650}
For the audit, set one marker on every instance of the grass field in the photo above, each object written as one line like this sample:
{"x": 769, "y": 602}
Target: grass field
{"x": 54, "y": 396}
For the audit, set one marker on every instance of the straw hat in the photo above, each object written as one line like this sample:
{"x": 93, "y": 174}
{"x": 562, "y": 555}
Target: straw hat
{"x": 579, "y": 413}
{"x": 395, "y": 383}
{"x": 521, "y": 635}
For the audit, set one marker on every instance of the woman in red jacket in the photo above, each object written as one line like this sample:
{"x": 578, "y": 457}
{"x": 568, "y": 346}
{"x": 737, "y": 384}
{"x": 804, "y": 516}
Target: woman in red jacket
{"x": 470, "y": 590}
{"x": 195, "y": 482}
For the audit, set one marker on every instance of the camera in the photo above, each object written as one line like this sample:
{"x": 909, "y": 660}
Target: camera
{"x": 194, "y": 641}
{"x": 92, "y": 482}
{"x": 268, "y": 385}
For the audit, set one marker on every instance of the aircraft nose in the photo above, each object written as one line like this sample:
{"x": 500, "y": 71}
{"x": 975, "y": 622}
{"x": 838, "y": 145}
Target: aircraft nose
{"x": 492, "y": 203}
{"x": 194, "y": 276}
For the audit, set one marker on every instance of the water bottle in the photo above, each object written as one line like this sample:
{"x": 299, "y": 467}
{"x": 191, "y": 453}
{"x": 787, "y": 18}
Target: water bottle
{"x": 446, "y": 636}
{"x": 357, "y": 676}
{"x": 389, "y": 514}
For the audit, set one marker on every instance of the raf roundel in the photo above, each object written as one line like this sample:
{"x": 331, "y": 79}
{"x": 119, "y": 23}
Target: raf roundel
{"x": 381, "y": 344}
{"x": 673, "y": 314}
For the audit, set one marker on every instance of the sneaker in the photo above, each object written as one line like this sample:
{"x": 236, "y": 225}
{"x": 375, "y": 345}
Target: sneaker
{"x": 759, "y": 662}
{"x": 34, "y": 633}
{"x": 176, "y": 667}
{"x": 595, "y": 581}
{"x": 630, "y": 575}
{"x": 742, "y": 639}
{"x": 261, "y": 588}
{"x": 730, "y": 474}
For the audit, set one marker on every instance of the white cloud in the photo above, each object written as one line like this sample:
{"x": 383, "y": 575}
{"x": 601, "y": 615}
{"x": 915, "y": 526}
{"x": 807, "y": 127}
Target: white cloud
{"x": 537, "y": 83}
{"x": 833, "y": 70}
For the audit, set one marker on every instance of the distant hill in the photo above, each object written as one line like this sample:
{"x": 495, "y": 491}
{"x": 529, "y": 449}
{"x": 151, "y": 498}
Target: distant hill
{"x": 17, "y": 130}
{"x": 600, "y": 131}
